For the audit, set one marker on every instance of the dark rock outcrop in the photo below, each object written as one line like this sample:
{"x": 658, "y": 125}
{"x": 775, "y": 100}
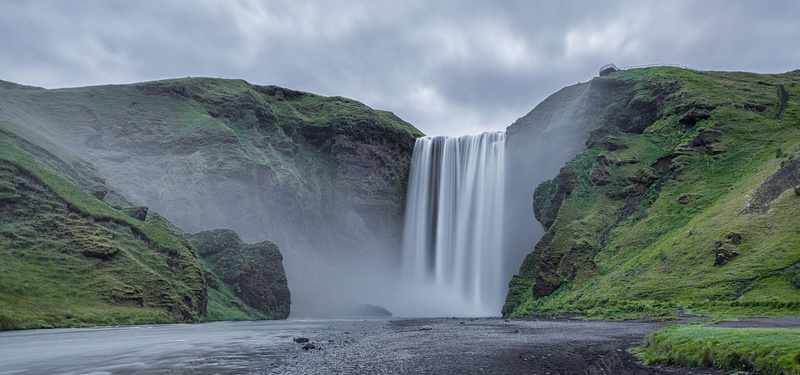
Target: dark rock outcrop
{"x": 253, "y": 271}
{"x": 136, "y": 212}
{"x": 787, "y": 177}
{"x": 694, "y": 116}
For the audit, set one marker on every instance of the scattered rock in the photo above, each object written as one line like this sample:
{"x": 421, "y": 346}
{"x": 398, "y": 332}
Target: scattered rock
{"x": 136, "y": 212}
{"x": 254, "y": 272}
{"x": 309, "y": 347}
{"x": 724, "y": 254}
{"x": 301, "y": 340}
{"x": 98, "y": 191}
{"x": 787, "y": 177}
{"x": 724, "y": 249}
{"x": 101, "y": 251}
{"x": 736, "y": 238}
{"x": 694, "y": 116}
{"x": 687, "y": 198}
{"x": 600, "y": 175}
{"x": 706, "y": 137}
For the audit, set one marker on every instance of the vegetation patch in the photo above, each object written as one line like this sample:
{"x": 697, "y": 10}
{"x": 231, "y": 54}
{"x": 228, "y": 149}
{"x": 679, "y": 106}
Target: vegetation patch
{"x": 70, "y": 260}
{"x": 764, "y": 350}
{"x": 680, "y": 205}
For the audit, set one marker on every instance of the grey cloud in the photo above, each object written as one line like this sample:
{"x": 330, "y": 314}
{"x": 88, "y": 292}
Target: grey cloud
{"x": 446, "y": 66}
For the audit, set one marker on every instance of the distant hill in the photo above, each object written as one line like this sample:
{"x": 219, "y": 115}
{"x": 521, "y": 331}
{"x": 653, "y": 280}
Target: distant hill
{"x": 683, "y": 196}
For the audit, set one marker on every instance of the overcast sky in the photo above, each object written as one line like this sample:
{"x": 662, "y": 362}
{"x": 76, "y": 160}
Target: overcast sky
{"x": 448, "y": 67}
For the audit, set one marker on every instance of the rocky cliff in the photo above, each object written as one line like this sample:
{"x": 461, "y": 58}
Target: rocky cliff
{"x": 682, "y": 200}
{"x": 254, "y": 272}
{"x": 323, "y": 178}
{"x": 537, "y": 145}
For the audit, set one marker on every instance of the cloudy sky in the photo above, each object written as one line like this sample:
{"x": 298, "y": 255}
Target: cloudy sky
{"x": 448, "y": 67}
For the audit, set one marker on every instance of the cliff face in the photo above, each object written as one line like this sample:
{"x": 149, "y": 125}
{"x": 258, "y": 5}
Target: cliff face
{"x": 323, "y": 178}
{"x": 682, "y": 199}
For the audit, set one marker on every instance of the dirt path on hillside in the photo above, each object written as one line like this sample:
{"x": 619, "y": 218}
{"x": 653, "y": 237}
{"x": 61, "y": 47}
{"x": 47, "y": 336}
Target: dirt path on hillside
{"x": 760, "y": 323}
{"x": 784, "y": 100}
{"x": 486, "y": 346}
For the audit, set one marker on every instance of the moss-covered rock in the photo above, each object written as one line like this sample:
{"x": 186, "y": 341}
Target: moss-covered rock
{"x": 254, "y": 272}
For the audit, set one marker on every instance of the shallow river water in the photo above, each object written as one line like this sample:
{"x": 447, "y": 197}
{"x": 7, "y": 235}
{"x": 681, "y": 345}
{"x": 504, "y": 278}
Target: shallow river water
{"x": 206, "y": 348}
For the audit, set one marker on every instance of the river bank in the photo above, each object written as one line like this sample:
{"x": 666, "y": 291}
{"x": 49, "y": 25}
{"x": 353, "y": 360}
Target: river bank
{"x": 346, "y": 346}
{"x": 487, "y": 346}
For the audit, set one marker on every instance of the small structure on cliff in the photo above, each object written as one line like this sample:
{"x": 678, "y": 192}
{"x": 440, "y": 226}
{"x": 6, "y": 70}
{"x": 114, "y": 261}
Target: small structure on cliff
{"x": 608, "y": 69}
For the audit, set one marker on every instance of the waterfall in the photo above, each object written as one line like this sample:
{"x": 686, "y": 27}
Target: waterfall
{"x": 452, "y": 240}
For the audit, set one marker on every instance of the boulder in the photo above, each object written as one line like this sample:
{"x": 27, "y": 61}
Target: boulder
{"x": 254, "y": 272}
{"x": 136, "y": 212}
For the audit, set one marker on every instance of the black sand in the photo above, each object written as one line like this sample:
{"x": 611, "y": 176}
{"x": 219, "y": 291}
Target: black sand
{"x": 483, "y": 346}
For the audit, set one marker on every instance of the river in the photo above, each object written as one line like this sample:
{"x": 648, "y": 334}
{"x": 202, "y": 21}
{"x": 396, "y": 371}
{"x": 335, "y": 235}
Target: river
{"x": 205, "y": 348}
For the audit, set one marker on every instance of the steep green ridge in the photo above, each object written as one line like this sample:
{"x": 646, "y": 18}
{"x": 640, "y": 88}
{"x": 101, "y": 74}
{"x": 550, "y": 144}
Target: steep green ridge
{"x": 537, "y": 145}
{"x": 69, "y": 259}
{"x": 322, "y": 177}
{"x": 685, "y": 200}
{"x": 92, "y": 264}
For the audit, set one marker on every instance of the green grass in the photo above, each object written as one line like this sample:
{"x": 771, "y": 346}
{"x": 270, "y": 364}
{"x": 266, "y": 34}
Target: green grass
{"x": 71, "y": 260}
{"x": 766, "y": 350}
{"x": 145, "y": 273}
{"x": 660, "y": 259}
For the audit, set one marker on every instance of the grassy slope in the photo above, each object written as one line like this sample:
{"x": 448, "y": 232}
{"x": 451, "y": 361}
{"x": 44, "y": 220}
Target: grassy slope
{"x": 71, "y": 260}
{"x": 660, "y": 257}
{"x": 766, "y": 350}
{"x": 49, "y": 282}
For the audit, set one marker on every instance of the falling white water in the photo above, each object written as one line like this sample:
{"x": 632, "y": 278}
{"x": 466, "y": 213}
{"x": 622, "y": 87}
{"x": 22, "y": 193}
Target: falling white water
{"x": 452, "y": 258}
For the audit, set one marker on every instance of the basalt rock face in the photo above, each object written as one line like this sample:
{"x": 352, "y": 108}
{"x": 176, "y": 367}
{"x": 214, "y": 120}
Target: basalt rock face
{"x": 682, "y": 195}
{"x": 322, "y": 177}
{"x": 254, "y": 272}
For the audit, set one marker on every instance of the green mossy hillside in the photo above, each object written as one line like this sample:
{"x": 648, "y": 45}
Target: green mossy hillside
{"x": 686, "y": 201}
{"x": 70, "y": 260}
{"x": 322, "y": 177}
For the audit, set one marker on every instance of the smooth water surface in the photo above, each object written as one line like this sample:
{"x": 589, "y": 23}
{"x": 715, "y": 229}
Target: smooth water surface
{"x": 205, "y": 348}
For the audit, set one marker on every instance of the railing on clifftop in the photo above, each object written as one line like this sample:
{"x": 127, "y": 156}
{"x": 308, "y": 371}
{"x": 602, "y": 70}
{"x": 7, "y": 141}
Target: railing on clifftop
{"x": 608, "y": 69}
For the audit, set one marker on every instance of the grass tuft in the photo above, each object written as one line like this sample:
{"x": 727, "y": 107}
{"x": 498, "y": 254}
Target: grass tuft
{"x": 766, "y": 350}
